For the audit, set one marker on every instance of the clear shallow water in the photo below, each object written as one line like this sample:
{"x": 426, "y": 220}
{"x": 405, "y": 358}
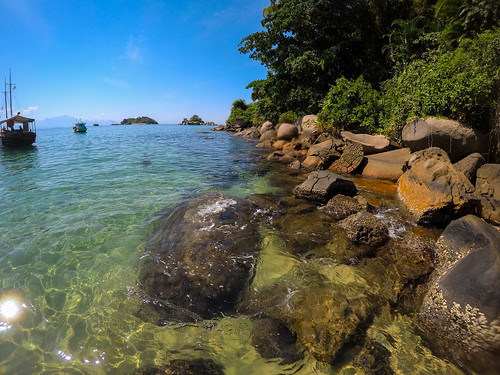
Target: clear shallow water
{"x": 76, "y": 212}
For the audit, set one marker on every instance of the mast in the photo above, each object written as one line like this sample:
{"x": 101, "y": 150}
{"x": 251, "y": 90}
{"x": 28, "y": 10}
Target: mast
{"x": 5, "y": 95}
{"x": 10, "y": 90}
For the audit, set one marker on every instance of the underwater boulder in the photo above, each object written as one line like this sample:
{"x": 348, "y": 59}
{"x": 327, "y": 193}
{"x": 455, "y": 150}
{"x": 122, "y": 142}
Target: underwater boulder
{"x": 202, "y": 256}
{"x": 365, "y": 228}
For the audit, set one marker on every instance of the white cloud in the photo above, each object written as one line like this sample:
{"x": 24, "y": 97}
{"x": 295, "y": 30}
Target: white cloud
{"x": 29, "y": 110}
{"x": 116, "y": 83}
{"x": 134, "y": 51}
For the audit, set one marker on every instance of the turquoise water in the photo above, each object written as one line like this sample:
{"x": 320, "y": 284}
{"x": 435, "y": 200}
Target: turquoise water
{"x": 76, "y": 213}
{"x": 76, "y": 210}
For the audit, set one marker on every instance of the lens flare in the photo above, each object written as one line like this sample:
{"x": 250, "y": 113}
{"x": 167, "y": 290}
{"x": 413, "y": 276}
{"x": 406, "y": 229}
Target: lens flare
{"x": 12, "y": 306}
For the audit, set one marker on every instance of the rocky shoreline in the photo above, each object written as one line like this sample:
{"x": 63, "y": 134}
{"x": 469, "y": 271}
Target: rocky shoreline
{"x": 425, "y": 245}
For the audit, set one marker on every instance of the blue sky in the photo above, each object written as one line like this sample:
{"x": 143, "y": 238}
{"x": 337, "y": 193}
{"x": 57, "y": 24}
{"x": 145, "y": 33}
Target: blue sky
{"x": 112, "y": 59}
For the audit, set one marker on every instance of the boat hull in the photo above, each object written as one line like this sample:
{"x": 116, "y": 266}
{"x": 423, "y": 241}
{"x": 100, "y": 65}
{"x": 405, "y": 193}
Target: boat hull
{"x": 17, "y": 139}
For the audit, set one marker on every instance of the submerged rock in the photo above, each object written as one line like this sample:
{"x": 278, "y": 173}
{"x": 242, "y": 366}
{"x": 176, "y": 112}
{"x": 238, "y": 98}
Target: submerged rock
{"x": 365, "y": 228}
{"x": 341, "y": 206}
{"x": 461, "y": 310}
{"x": 186, "y": 367}
{"x": 272, "y": 339}
{"x": 202, "y": 256}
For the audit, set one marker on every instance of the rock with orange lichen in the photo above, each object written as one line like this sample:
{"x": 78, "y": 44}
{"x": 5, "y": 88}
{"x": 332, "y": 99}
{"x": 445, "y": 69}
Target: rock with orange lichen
{"x": 433, "y": 190}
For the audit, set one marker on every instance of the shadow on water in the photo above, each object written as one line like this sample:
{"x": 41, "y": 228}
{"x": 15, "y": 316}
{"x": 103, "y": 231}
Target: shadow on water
{"x": 19, "y": 160}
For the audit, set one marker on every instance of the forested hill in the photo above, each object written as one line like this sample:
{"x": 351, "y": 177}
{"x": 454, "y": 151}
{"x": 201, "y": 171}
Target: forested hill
{"x": 138, "y": 120}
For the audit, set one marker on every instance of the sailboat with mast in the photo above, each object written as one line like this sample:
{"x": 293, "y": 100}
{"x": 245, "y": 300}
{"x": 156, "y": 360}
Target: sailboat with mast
{"x": 10, "y": 136}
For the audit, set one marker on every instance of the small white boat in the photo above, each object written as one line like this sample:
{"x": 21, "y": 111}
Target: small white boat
{"x": 80, "y": 127}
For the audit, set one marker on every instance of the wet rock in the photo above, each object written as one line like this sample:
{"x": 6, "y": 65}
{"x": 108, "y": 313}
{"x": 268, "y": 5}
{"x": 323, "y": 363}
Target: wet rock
{"x": 186, "y": 367}
{"x": 287, "y": 132}
{"x": 321, "y": 186}
{"x": 326, "y": 320}
{"x": 372, "y": 144}
{"x": 375, "y": 358}
{"x": 469, "y": 166}
{"x": 341, "y": 206}
{"x": 272, "y": 339}
{"x": 433, "y": 191}
{"x": 386, "y": 165}
{"x": 202, "y": 255}
{"x": 304, "y": 228}
{"x": 461, "y": 310}
{"x": 402, "y": 268}
{"x": 364, "y": 228}
{"x": 351, "y": 158}
{"x": 488, "y": 190}
{"x": 455, "y": 139}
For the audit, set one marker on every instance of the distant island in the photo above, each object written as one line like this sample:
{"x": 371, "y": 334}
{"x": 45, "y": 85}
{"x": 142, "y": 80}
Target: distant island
{"x": 143, "y": 120}
{"x": 195, "y": 120}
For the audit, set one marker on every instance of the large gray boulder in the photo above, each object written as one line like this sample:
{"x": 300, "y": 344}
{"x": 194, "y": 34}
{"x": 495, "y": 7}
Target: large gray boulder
{"x": 456, "y": 139}
{"x": 287, "y": 132}
{"x": 372, "y": 144}
{"x": 321, "y": 186}
{"x": 461, "y": 310}
{"x": 433, "y": 190}
{"x": 268, "y": 125}
{"x": 201, "y": 258}
{"x": 488, "y": 190}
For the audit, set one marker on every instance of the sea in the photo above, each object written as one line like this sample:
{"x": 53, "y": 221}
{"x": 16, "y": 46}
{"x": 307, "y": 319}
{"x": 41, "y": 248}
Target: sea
{"x": 77, "y": 210}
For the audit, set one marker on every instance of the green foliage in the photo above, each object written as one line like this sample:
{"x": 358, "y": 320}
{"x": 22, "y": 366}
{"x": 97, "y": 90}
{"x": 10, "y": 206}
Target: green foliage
{"x": 289, "y": 117}
{"x": 244, "y": 114}
{"x": 307, "y": 44}
{"x": 196, "y": 119}
{"x": 138, "y": 120}
{"x": 463, "y": 84}
{"x": 351, "y": 105}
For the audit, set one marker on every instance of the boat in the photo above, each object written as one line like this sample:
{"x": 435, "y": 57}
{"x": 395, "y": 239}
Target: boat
{"x": 25, "y": 134}
{"x": 79, "y": 127}
{"x": 95, "y": 124}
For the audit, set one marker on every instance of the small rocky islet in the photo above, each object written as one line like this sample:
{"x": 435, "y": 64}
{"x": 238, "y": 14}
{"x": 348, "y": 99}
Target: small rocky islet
{"x": 376, "y": 229}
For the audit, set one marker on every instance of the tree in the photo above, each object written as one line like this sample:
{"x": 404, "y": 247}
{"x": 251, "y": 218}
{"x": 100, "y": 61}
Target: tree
{"x": 196, "y": 119}
{"x": 307, "y": 44}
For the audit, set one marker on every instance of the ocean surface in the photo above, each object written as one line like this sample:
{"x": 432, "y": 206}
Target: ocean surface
{"x": 76, "y": 213}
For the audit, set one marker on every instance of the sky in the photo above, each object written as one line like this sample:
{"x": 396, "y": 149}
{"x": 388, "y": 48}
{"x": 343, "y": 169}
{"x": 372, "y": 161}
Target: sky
{"x": 115, "y": 59}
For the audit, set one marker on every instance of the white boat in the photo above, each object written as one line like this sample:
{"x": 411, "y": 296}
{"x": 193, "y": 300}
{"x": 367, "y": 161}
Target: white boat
{"x": 79, "y": 127}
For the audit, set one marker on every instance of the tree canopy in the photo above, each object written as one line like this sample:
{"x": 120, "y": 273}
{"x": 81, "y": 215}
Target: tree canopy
{"x": 359, "y": 60}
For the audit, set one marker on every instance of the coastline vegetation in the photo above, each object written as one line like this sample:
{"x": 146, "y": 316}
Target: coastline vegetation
{"x": 369, "y": 66}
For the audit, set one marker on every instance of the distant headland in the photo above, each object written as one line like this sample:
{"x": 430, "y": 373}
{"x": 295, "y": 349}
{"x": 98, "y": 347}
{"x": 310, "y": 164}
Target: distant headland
{"x": 195, "y": 120}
